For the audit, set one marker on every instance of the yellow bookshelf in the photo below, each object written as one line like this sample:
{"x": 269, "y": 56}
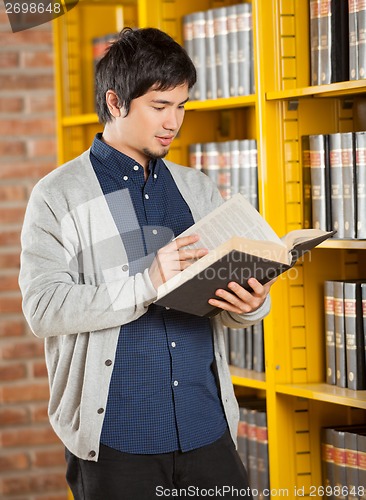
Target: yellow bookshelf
{"x": 283, "y": 109}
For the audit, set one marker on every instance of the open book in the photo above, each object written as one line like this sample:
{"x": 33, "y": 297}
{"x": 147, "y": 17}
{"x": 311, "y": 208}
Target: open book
{"x": 241, "y": 245}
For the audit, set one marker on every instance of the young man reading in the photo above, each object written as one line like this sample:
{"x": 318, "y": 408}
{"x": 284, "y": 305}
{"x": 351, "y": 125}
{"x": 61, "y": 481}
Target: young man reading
{"x": 140, "y": 395}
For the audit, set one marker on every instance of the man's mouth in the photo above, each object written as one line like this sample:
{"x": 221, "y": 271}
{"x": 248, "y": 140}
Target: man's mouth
{"x": 165, "y": 140}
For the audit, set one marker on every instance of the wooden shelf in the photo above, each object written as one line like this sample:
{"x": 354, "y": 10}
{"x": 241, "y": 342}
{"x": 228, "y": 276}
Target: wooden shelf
{"x": 325, "y": 392}
{"x": 344, "y": 244}
{"x": 217, "y": 104}
{"x": 338, "y": 89}
{"x": 248, "y": 378}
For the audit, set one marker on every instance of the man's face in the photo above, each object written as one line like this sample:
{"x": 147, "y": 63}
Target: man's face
{"x": 152, "y": 123}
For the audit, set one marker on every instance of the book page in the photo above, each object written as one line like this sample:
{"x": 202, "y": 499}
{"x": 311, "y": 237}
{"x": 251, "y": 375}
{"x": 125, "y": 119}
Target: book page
{"x": 235, "y": 217}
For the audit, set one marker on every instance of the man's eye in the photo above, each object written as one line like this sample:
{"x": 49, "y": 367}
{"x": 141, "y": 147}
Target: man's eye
{"x": 158, "y": 109}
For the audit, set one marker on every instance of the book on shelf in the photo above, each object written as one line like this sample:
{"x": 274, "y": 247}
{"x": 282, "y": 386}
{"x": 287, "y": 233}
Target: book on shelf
{"x": 340, "y": 335}
{"x": 232, "y": 37}
{"x": 330, "y": 355}
{"x": 336, "y": 183}
{"x": 211, "y": 78}
{"x": 306, "y": 182}
{"x": 349, "y": 183}
{"x": 244, "y": 33}
{"x": 199, "y": 54}
{"x": 329, "y": 41}
{"x": 221, "y": 51}
{"x": 353, "y": 39}
{"x": 355, "y": 347}
{"x": 319, "y": 171}
{"x": 241, "y": 245}
{"x": 361, "y": 38}
{"x": 360, "y": 165}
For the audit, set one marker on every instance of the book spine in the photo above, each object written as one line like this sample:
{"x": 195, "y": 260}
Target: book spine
{"x": 251, "y": 49}
{"x": 233, "y": 50}
{"x": 353, "y": 40}
{"x": 339, "y": 41}
{"x": 315, "y": 42}
{"x": 234, "y": 166}
{"x": 243, "y": 436}
{"x": 330, "y": 355}
{"x": 341, "y": 372}
{"x": 318, "y": 193}
{"x": 360, "y": 161}
{"x": 350, "y": 444}
{"x": 253, "y": 161}
{"x": 210, "y": 161}
{"x": 244, "y": 168}
{"x": 224, "y": 180}
{"x": 249, "y": 348}
{"x": 306, "y": 182}
{"x": 339, "y": 457}
{"x": 325, "y": 34}
{"x": 221, "y": 51}
{"x": 199, "y": 54}
{"x": 327, "y": 457}
{"x": 195, "y": 156}
{"x": 336, "y": 184}
{"x": 348, "y": 178}
{"x": 187, "y": 27}
{"x": 258, "y": 347}
{"x": 252, "y": 450}
{"x": 244, "y": 50}
{"x": 211, "y": 81}
{"x": 361, "y": 463}
{"x": 361, "y": 37}
{"x": 363, "y": 301}
{"x": 262, "y": 453}
{"x": 355, "y": 349}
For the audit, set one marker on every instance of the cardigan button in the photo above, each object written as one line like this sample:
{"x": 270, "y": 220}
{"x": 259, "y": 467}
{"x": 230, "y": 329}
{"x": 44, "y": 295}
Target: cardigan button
{"x": 100, "y": 411}
{"x": 108, "y": 362}
{"x": 92, "y": 454}
{"x": 125, "y": 267}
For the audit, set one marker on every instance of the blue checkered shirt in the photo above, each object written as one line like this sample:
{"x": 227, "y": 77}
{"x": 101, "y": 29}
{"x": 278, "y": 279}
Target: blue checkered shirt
{"x": 163, "y": 394}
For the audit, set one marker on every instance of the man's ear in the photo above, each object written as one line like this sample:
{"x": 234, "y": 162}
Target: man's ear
{"x": 113, "y": 104}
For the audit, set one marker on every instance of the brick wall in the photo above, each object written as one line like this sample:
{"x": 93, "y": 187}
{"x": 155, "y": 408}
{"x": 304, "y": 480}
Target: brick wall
{"x": 31, "y": 456}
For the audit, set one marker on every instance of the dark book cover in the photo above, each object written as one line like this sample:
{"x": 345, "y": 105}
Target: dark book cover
{"x": 355, "y": 348}
{"x": 330, "y": 355}
{"x": 306, "y": 182}
{"x": 360, "y": 162}
{"x": 341, "y": 369}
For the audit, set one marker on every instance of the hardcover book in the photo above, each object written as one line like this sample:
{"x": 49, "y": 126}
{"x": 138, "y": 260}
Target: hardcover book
{"x": 241, "y": 245}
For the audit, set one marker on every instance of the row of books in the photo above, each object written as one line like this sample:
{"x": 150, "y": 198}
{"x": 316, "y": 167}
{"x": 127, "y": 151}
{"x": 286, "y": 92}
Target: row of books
{"x": 219, "y": 42}
{"x": 232, "y": 165}
{"x": 245, "y": 347}
{"x": 253, "y": 444}
{"x": 345, "y": 331}
{"x": 344, "y": 461}
{"x": 334, "y": 179}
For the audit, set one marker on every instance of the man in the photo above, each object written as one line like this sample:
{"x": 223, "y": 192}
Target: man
{"x": 140, "y": 395}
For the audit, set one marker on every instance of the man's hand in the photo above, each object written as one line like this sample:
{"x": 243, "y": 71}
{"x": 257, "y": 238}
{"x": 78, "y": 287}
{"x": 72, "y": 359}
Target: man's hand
{"x": 173, "y": 258}
{"x": 238, "y": 300}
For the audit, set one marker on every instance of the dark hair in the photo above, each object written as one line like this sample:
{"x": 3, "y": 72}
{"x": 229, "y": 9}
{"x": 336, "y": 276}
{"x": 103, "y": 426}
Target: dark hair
{"x": 138, "y": 60}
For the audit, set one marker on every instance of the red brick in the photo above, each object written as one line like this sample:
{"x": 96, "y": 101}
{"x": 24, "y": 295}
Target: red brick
{"x": 13, "y": 105}
{"x": 39, "y": 414}
{"x": 12, "y": 148}
{"x": 9, "y": 59}
{"x": 11, "y": 328}
{"x": 23, "y": 393}
{"x": 26, "y": 168}
{"x": 10, "y": 304}
{"x": 14, "y": 416}
{"x": 40, "y": 103}
{"x": 53, "y": 497}
{"x": 12, "y": 372}
{"x": 26, "y": 81}
{"x": 10, "y": 260}
{"x": 13, "y": 462}
{"x": 40, "y": 370}
{"x": 42, "y": 147}
{"x": 11, "y": 215}
{"x": 39, "y": 126}
{"x": 36, "y": 483}
{"x": 49, "y": 458}
{"x": 23, "y": 350}
{"x": 9, "y": 237}
{"x": 27, "y": 437}
{"x": 12, "y": 192}
{"x": 27, "y": 37}
{"x": 37, "y": 59}
{"x": 9, "y": 283}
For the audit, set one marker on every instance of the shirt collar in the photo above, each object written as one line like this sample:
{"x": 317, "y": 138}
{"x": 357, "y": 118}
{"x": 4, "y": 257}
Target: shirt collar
{"x": 108, "y": 156}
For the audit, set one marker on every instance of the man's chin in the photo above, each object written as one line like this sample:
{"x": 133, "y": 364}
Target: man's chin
{"x": 156, "y": 155}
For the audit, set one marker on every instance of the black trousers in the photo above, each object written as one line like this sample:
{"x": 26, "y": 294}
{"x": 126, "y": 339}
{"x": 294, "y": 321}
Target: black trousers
{"x": 214, "y": 471}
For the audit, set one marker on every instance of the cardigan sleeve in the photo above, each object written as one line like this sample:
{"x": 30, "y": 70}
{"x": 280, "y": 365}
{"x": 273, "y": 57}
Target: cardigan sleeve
{"x": 56, "y": 301}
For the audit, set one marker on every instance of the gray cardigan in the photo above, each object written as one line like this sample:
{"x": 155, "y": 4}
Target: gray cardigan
{"x": 77, "y": 293}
